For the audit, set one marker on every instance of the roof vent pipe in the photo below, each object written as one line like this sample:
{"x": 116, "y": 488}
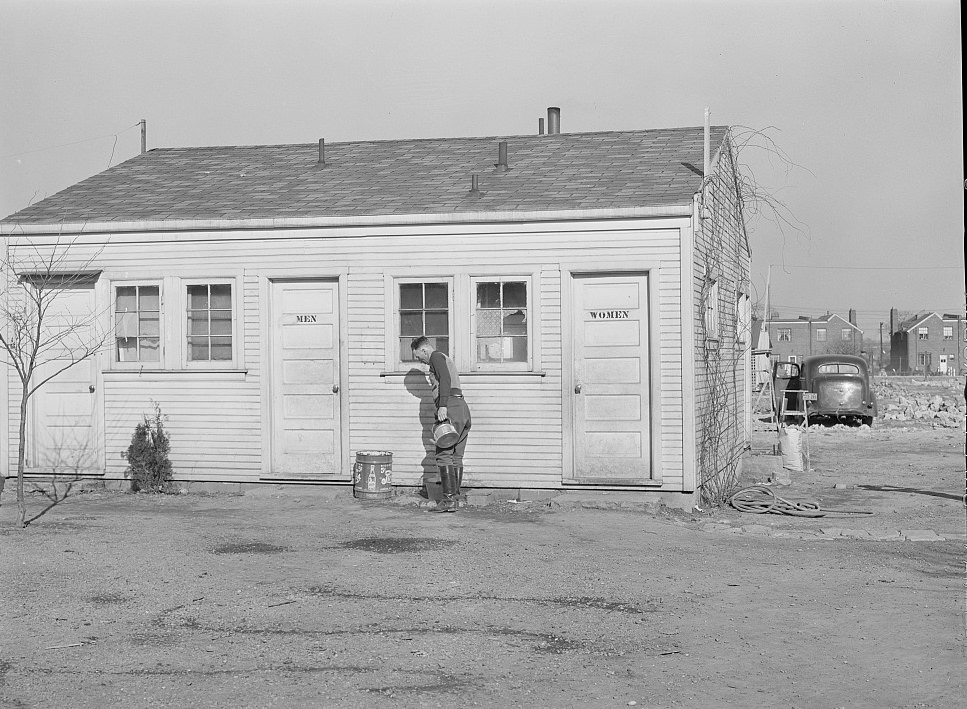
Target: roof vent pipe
{"x": 540, "y": 126}
{"x": 144, "y": 136}
{"x": 501, "y": 164}
{"x": 322, "y": 152}
{"x": 553, "y": 120}
{"x": 475, "y": 184}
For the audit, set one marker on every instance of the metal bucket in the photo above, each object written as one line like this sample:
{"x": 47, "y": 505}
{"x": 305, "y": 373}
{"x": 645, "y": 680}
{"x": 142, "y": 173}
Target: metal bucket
{"x": 373, "y": 475}
{"x": 444, "y": 434}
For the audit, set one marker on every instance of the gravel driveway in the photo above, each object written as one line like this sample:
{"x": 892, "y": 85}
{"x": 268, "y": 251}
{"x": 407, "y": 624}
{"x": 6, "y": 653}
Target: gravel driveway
{"x": 306, "y": 597}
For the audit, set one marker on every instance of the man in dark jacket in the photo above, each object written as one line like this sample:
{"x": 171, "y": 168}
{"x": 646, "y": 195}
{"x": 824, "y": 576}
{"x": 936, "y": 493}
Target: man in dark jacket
{"x": 450, "y": 404}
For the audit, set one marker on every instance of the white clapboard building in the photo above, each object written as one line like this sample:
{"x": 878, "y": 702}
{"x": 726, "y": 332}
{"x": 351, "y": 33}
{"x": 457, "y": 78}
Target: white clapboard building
{"x": 591, "y": 287}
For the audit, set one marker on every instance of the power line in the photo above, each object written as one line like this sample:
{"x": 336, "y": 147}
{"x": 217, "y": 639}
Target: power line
{"x": 873, "y": 268}
{"x": 788, "y": 306}
{"x": 76, "y": 142}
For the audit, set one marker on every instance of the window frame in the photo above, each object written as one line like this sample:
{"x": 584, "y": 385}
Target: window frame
{"x": 396, "y": 340}
{"x": 821, "y": 334}
{"x": 743, "y": 320}
{"x": 475, "y": 364}
{"x": 846, "y": 334}
{"x": 183, "y": 328}
{"x": 780, "y": 331}
{"x": 838, "y": 368}
{"x": 116, "y": 362}
{"x": 923, "y": 334}
{"x": 712, "y": 316}
{"x": 948, "y": 332}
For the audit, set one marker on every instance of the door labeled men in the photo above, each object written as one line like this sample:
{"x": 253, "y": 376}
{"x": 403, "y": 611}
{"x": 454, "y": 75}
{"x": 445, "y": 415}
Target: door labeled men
{"x": 305, "y": 396}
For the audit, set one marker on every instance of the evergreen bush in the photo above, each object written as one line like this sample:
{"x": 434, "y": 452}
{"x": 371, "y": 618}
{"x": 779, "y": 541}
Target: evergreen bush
{"x": 147, "y": 456}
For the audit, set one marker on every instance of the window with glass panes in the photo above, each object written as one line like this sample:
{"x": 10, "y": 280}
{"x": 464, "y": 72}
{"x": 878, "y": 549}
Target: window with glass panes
{"x": 846, "y": 334}
{"x": 137, "y": 323}
{"x": 210, "y": 322}
{"x": 424, "y": 311}
{"x": 742, "y": 316}
{"x": 501, "y": 321}
{"x": 712, "y": 311}
{"x": 821, "y": 334}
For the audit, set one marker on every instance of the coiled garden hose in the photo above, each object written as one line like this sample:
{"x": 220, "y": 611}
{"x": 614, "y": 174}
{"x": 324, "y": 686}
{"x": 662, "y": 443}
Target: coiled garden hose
{"x": 759, "y": 499}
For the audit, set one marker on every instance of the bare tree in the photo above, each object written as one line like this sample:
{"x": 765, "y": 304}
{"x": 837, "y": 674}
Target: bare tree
{"x": 849, "y": 347}
{"x": 40, "y": 337}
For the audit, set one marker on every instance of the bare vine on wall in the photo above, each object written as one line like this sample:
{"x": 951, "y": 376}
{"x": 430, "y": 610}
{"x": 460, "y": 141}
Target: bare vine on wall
{"x": 755, "y": 200}
{"x": 718, "y": 410}
{"x": 731, "y": 197}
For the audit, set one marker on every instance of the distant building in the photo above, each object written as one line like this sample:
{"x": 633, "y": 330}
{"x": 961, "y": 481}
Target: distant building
{"x": 793, "y": 339}
{"x": 927, "y": 343}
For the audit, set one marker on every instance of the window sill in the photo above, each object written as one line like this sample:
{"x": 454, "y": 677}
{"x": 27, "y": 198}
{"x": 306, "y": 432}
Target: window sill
{"x": 167, "y": 372}
{"x": 464, "y": 375}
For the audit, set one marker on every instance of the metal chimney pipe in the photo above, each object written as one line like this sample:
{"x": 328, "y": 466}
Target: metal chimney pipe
{"x": 501, "y": 156}
{"x": 474, "y": 183}
{"x": 553, "y": 120}
{"x": 322, "y": 152}
{"x": 144, "y": 136}
{"x": 540, "y": 126}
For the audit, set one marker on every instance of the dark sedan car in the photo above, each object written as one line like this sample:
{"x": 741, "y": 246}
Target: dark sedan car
{"x": 830, "y": 386}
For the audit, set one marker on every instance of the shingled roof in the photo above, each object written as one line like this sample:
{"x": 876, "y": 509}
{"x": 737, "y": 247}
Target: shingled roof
{"x": 565, "y": 171}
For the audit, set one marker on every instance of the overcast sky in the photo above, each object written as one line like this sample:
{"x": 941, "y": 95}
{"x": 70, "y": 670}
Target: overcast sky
{"x": 862, "y": 96}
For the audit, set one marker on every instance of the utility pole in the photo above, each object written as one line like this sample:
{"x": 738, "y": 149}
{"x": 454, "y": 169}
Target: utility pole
{"x": 881, "y": 345}
{"x": 765, "y": 318}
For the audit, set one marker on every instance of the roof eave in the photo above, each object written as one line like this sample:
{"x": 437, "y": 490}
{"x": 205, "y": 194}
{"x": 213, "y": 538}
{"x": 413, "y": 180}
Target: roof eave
{"x": 824, "y": 319}
{"x": 11, "y": 228}
{"x": 920, "y": 320}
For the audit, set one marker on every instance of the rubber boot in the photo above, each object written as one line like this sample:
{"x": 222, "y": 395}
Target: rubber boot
{"x": 461, "y": 497}
{"x": 443, "y": 474}
{"x": 448, "y": 480}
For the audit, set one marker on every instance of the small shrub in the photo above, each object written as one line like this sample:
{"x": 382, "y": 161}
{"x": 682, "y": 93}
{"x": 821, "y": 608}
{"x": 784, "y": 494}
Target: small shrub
{"x": 147, "y": 456}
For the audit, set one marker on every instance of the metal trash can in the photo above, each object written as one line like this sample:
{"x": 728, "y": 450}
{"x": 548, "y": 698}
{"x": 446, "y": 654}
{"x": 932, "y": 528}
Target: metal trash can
{"x": 373, "y": 475}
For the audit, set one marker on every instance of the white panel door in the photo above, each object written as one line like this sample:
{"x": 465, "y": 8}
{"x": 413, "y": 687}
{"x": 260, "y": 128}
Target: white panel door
{"x": 62, "y": 430}
{"x": 610, "y": 400}
{"x": 305, "y": 380}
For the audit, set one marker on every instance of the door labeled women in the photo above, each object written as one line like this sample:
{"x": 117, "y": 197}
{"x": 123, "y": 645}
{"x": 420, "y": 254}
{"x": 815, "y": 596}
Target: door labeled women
{"x": 610, "y": 396}
{"x": 304, "y": 384}
{"x": 63, "y": 429}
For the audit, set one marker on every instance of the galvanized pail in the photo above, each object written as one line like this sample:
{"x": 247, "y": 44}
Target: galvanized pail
{"x": 444, "y": 434}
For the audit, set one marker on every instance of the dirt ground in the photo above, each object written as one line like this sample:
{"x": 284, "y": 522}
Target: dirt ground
{"x": 306, "y": 597}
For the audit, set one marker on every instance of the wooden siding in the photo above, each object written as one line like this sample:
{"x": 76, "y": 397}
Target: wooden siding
{"x": 213, "y": 421}
{"x": 720, "y": 253}
{"x": 218, "y": 419}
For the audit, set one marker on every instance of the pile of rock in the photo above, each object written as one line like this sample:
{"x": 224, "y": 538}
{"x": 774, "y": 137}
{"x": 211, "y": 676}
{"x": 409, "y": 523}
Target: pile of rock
{"x": 900, "y": 403}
